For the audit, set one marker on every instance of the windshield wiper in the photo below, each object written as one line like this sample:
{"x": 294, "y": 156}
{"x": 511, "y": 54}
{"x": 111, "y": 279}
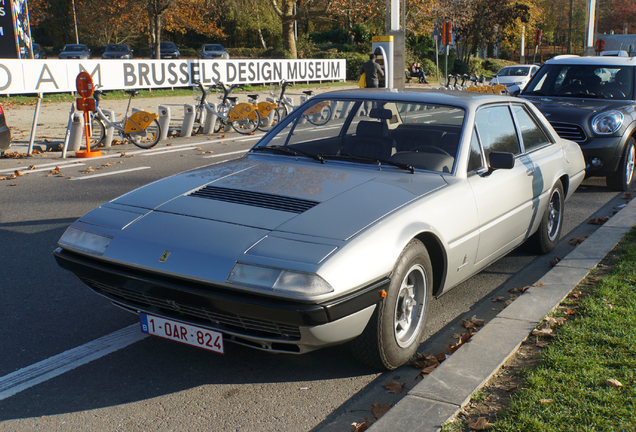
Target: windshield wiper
{"x": 375, "y": 160}
{"x": 289, "y": 151}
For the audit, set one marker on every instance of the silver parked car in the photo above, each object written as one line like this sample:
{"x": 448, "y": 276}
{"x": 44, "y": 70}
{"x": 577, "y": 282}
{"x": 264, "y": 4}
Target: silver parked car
{"x": 74, "y": 51}
{"x": 213, "y": 51}
{"x": 517, "y": 75}
{"x": 340, "y": 225}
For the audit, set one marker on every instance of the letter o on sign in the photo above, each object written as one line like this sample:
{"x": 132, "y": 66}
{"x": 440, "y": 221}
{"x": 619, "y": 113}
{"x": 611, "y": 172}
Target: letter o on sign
{"x": 84, "y": 84}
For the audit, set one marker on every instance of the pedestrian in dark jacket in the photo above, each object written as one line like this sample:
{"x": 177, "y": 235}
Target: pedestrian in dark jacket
{"x": 372, "y": 69}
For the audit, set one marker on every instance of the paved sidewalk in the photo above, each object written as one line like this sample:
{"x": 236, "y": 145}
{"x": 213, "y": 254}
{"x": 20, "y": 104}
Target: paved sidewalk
{"x": 440, "y": 396}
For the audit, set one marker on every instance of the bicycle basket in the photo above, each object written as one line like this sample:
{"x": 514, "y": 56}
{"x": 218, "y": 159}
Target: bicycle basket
{"x": 197, "y": 93}
{"x": 274, "y": 90}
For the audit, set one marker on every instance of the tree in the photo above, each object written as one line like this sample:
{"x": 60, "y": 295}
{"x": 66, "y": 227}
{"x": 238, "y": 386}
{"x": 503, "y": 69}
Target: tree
{"x": 291, "y": 10}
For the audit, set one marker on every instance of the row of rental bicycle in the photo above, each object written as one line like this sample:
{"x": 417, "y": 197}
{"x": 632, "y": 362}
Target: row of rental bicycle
{"x": 143, "y": 128}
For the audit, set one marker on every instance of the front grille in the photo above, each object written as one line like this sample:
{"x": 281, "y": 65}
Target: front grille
{"x": 570, "y": 131}
{"x": 255, "y": 199}
{"x": 195, "y": 314}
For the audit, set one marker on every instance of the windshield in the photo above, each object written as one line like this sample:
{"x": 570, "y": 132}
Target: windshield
{"x": 117, "y": 48}
{"x": 591, "y": 81}
{"x": 514, "y": 71}
{"x": 168, "y": 45}
{"x": 213, "y": 48}
{"x": 75, "y": 48}
{"x": 407, "y": 135}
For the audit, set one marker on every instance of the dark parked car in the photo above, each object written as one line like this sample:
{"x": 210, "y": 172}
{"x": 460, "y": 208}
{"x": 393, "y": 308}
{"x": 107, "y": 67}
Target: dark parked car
{"x": 168, "y": 50}
{"x": 213, "y": 51}
{"x": 117, "y": 51}
{"x": 591, "y": 100}
{"x": 38, "y": 52}
{"x": 5, "y": 132}
{"x": 75, "y": 51}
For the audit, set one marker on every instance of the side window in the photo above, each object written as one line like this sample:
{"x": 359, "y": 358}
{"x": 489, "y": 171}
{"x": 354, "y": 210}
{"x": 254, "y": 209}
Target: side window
{"x": 531, "y": 134}
{"x": 474, "y": 158}
{"x": 496, "y": 130}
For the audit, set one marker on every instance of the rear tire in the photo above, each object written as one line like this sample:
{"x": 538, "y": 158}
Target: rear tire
{"x": 322, "y": 117}
{"x": 395, "y": 329}
{"x": 547, "y": 236}
{"x": 623, "y": 178}
{"x": 247, "y": 125}
{"x": 148, "y": 137}
{"x": 98, "y": 133}
{"x": 269, "y": 121}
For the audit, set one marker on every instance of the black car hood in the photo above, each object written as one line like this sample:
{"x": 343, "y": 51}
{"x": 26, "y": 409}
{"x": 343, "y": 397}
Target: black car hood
{"x": 576, "y": 110}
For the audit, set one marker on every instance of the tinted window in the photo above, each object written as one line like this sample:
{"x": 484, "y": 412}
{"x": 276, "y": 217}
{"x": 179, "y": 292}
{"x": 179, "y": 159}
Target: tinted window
{"x": 496, "y": 130}
{"x": 531, "y": 134}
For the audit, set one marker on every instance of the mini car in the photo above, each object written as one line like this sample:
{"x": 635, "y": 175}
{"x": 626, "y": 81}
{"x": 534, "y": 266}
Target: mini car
{"x": 339, "y": 226}
{"x": 5, "y": 132}
{"x": 213, "y": 51}
{"x": 117, "y": 51}
{"x": 518, "y": 75}
{"x": 591, "y": 100}
{"x": 75, "y": 51}
{"x": 168, "y": 50}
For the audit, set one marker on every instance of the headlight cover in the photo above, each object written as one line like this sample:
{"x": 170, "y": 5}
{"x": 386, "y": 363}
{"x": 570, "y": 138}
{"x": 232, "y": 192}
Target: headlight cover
{"x": 608, "y": 122}
{"x": 85, "y": 241}
{"x": 278, "y": 280}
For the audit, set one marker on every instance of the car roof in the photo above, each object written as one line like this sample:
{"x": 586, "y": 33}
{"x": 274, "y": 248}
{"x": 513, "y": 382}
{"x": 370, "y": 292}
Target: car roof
{"x": 466, "y": 99}
{"x": 593, "y": 61}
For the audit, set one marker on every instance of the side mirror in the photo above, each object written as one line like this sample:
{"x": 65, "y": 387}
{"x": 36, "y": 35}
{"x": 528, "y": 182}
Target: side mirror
{"x": 514, "y": 90}
{"x": 500, "y": 160}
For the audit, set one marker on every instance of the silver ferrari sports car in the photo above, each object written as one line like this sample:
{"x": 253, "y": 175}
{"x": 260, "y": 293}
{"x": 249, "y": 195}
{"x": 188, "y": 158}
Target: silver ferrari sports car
{"x": 341, "y": 225}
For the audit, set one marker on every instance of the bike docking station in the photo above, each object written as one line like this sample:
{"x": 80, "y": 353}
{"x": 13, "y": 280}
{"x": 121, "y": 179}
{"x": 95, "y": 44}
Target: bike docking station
{"x": 86, "y": 103}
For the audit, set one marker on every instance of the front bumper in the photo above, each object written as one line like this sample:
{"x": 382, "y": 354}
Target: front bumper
{"x": 257, "y": 321}
{"x": 607, "y": 150}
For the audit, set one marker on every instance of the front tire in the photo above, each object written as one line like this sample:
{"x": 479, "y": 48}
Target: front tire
{"x": 321, "y": 117}
{"x": 247, "y": 125}
{"x": 269, "y": 121}
{"x": 622, "y": 179}
{"x": 547, "y": 237}
{"x": 148, "y": 137}
{"x": 395, "y": 329}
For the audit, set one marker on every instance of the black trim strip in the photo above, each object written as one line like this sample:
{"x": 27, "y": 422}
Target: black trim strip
{"x": 215, "y": 296}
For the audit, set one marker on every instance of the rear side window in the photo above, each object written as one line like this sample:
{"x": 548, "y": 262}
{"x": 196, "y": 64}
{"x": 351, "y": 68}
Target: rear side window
{"x": 532, "y": 135}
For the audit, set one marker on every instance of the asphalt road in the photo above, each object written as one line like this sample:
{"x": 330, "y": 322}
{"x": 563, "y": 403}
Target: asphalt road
{"x": 155, "y": 384}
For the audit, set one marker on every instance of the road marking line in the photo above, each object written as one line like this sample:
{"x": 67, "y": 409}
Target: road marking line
{"x": 42, "y": 167}
{"x": 37, "y": 373}
{"x": 226, "y": 154}
{"x": 109, "y": 173}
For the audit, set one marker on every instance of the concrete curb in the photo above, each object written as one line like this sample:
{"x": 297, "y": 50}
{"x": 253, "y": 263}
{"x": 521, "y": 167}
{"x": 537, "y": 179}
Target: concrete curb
{"x": 441, "y": 395}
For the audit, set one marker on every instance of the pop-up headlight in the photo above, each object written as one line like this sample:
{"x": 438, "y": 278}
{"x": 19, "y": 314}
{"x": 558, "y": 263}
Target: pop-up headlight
{"x": 85, "y": 241}
{"x": 278, "y": 280}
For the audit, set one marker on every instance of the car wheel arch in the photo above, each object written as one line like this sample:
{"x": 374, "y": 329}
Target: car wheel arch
{"x": 438, "y": 257}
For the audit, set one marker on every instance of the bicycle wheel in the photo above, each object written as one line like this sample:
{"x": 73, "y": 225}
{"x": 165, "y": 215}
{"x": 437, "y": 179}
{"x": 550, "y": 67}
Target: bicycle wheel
{"x": 320, "y": 118}
{"x": 247, "y": 126}
{"x": 270, "y": 120}
{"x": 148, "y": 137}
{"x": 98, "y": 132}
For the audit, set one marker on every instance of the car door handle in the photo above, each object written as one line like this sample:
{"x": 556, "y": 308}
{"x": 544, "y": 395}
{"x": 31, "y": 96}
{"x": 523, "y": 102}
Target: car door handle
{"x": 530, "y": 171}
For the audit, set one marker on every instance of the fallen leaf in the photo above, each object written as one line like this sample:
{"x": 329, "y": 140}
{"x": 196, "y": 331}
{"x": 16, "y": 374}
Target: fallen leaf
{"x": 568, "y": 310}
{"x": 498, "y": 299}
{"x": 575, "y": 241}
{"x": 541, "y": 343}
{"x": 613, "y": 383}
{"x": 427, "y": 370}
{"x": 627, "y": 195}
{"x": 598, "y": 221}
{"x": 543, "y": 330}
{"x": 17, "y": 173}
{"x": 379, "y": 409}
{"x": 480, "y": 424}
{"x": 511, "y": 388}
{"x": 538, "y": 284}
{"x": 394, "y": 387}
{"x": 478, "y": 322}
{"x": 546, "y": 401}
{"x": 555, "y": 261}
{"x": 361, "y": 427}
{"x": 556, "y": 321}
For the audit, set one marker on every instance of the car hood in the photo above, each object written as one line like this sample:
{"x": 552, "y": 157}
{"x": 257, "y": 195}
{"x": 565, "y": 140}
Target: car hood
{"x": 332, "y": 200}
{"x": 570, "y": 109}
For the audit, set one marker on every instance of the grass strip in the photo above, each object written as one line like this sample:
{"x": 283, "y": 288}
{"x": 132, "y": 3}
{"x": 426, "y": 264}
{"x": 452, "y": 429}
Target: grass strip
{"x": 570, "y": 389}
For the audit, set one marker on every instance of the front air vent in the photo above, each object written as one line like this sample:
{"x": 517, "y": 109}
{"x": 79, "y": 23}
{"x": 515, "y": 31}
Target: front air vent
{"x": 255, "y": 199}
{"x": 570, "y": 131}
